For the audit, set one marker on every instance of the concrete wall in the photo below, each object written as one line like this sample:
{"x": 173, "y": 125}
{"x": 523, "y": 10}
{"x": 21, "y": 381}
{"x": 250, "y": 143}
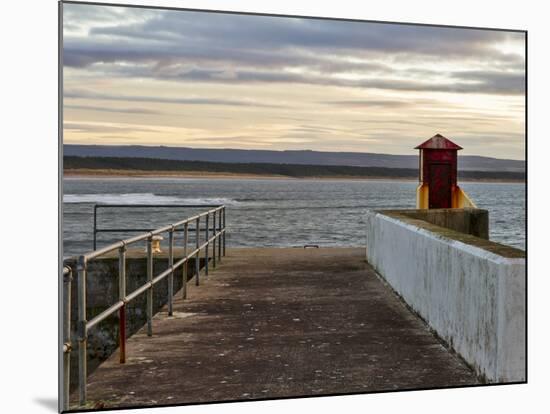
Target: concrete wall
{"x": 474, "y": 221}
{"x": 469, "y": 290}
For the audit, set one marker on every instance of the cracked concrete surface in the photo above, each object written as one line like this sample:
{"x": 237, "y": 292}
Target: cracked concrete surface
{"x": 278, "y": 322}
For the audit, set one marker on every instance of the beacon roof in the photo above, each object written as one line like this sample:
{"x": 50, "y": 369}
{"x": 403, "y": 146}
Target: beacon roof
{"x": 438, "y": 141}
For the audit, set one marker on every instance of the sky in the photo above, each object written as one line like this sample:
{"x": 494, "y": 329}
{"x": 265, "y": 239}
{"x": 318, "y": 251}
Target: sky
{"x": 209, "y": 80}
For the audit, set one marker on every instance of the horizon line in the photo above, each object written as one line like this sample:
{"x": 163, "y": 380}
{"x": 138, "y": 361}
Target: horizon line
{"x": 273, "y": 150}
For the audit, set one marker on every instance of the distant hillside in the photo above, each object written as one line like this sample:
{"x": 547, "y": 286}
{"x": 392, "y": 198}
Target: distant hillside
{"x": 356, "y": 159}
{"x": 288, "y": 170}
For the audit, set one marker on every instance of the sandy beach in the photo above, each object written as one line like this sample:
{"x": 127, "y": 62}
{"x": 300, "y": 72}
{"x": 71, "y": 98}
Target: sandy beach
{"x": 111, "y": 173}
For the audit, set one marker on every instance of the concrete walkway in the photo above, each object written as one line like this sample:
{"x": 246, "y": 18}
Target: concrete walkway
{"x": 278, "y": 323}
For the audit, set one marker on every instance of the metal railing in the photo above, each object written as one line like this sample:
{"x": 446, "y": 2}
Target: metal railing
{"x": 67, "y": 280}
{"x": 217, "y": 240}
{"x": 97, "y": 230}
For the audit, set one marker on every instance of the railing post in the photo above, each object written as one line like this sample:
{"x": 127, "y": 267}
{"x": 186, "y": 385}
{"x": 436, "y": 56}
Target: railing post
{"x": 82, "y": 268}
{"x": 219, "y": 235}
{"x": 186, "y": 264}
{"x": 150, "y": 290}
{"x": 207, "y": 244}
{"x": 122, "y": 297}
{"x": 197, "y": 257}
{"x": 171, "y": 275}
{"x": 67, "y": 279}
{"x": 95, "y": 226}
{"x": 214, "y": 241}
{"x": 224, "y": 228}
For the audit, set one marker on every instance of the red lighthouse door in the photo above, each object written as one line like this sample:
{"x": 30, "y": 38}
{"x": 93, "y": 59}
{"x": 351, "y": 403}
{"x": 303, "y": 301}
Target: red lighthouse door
{"x": 440, "y": 186}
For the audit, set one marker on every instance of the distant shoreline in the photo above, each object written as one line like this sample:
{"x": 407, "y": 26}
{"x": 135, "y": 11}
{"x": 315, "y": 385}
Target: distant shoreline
{"x": 114, "y": 173}
{"x": 152, "y": 167}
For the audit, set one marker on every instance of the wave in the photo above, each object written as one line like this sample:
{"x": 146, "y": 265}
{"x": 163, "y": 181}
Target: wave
{"x": 143, "y": 198}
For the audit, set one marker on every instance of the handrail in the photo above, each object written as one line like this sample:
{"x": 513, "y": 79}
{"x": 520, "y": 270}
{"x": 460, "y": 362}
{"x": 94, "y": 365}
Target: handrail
{"x": 67, "y": 279}
{"x": 107, "y": 249}
{"x": 122, "y": 230}
{"x": 83, "y": 326}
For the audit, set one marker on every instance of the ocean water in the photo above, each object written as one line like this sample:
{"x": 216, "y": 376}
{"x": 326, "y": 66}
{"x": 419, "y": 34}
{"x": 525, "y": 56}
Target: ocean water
{"x": 275, "y": 212}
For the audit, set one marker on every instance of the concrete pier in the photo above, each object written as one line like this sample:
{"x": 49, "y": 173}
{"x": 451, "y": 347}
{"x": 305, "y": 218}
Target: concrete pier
{"x": 270, "y": 323}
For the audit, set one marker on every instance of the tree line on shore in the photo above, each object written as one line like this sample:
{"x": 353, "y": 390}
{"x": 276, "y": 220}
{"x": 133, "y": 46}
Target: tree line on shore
{"x": 288, "y": 170}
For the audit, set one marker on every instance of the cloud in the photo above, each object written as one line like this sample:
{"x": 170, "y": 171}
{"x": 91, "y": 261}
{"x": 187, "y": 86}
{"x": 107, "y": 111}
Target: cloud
{"x": 120, "y": 110}
{"x": 98, "y": 128}
{"x": 497, "y": 82}
{"x": 376, "y": 103}
{"x": 189, "y": 46}
{"x": 312, "y": 79}
{"x": 489, "y": 82}
{"x": 266, "y": 33}
{"x": 83, "y": 94}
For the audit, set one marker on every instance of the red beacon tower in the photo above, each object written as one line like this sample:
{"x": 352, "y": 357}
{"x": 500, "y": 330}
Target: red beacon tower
{"x": 438, "y": 186}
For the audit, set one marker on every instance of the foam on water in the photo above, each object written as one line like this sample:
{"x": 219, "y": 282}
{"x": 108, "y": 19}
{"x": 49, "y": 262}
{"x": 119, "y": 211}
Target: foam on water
{"x": 142, "y": 198}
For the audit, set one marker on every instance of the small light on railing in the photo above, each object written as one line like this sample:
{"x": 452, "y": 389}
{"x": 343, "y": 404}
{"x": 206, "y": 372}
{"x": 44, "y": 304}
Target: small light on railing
{"x": 155, "y": 245}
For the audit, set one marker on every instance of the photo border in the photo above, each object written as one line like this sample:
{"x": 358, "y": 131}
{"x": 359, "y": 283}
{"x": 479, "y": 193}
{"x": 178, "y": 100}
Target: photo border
{"x": 226, "y": 12}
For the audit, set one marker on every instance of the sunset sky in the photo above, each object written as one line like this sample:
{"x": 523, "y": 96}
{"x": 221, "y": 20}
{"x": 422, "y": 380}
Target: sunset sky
{"x": 207, "y": 80}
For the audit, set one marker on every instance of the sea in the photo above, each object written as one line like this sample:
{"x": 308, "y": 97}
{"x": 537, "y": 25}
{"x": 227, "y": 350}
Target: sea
{"x": 265, "y": 212}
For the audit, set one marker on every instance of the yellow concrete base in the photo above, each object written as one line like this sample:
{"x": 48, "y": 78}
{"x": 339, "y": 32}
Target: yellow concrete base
{"x": 459, "y": 198}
